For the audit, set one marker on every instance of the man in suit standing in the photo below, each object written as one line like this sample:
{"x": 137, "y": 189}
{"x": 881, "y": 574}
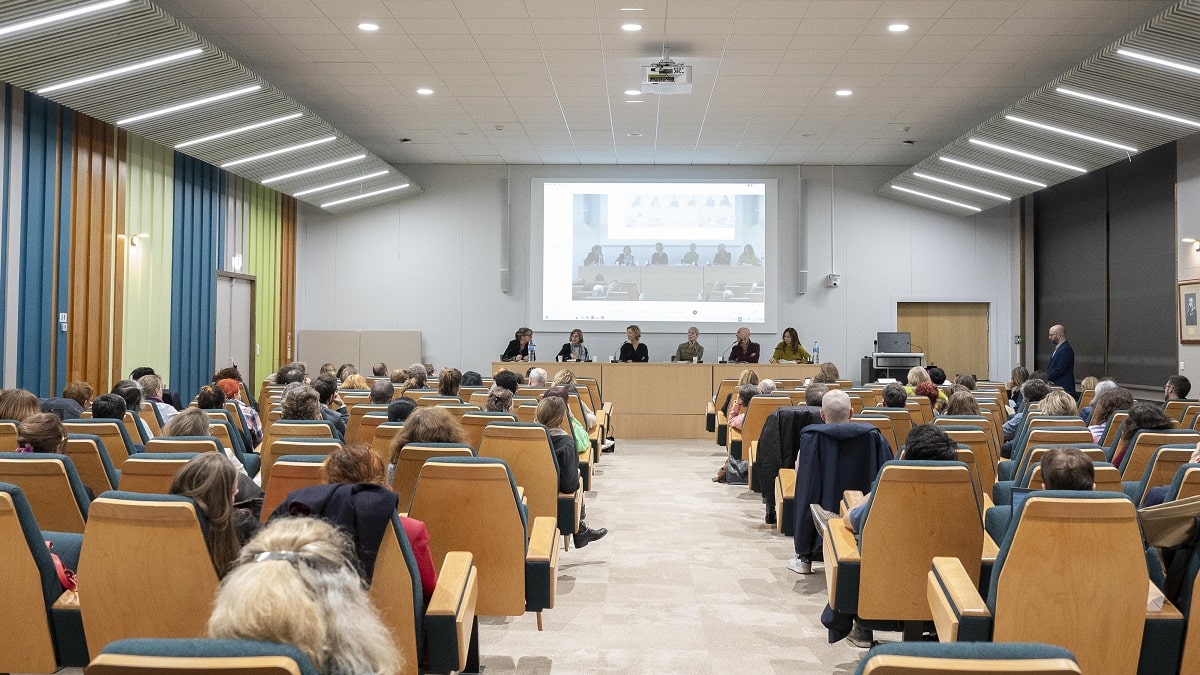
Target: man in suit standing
{"x": 1061, "y": 369}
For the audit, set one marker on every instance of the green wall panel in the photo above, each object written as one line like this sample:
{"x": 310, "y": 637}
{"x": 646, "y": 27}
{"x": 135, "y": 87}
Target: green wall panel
{"x": 147, "y": 311}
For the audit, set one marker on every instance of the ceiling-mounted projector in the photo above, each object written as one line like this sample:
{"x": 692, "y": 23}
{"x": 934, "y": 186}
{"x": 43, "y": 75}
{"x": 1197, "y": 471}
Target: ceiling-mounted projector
{"x": 666, "y": 77}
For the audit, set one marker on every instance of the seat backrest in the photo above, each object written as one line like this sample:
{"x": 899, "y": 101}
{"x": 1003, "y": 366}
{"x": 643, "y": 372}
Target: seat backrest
{"x": 290, "y": 429}
{"x": 418, "y": 394}
{"x": 1035, "y": 454}
{"x": 1186, "y": 482}
{"x": 397, "y": 595}
{"x": 51, "y": 485}
{"x": 381, "y": 442}
{"x": 465, "y": 393}
{"x": 526, "y": 413}
{"x": 1107, "y": 477}
{"x": 25, "y": 584}
{"x": 1113, "y": 429}
{"x": 290, "y": 472}
{"x": 901, "y": 535}
{"x": 1145, "y": 442}
{"x": 198, "y": 656}
{"x": 437, "y": 399}
{"x": 458, "y": 409}
{"x": 902, "y": 421}
{"x": 354, "y": 427}
{"x": 1096, "y": 537}
{"x": 235, "y": 413}
{"x": 1054, "y": 435}
{"x": 88, "y": 454}
{"x": 470, "y": 504}
{"x": 920, "y": 407}
{"x": 1086, "y": 398}
{"x": 412, "y": 457}
{"x": 296, "y": 446}
{"x": 757, "y": 412}
{"x": 367, "y": 425}
{"x": 474, "y": 423}
{"x": 151, "y": 417}
{"x": 1174, "y": 409}
{"x": 977, "y": 440}
{"x": 478, "y": 398}
{"x": 527, "y": 449}
{"x": 1164, "y": 464}
{"x": 8, "y": 435}
{"x": 135, "y": 428}
{"x": 725, "y": 389}
{"x": 143, "y": 551}
{"x": 153, "y": 473}
{"x": 884, "y": 425}
{"x": 111, "y": 432}
{"x": 966, "y": 456}
{"x": 946, "y": 658}
{"x": 177, "y": 444}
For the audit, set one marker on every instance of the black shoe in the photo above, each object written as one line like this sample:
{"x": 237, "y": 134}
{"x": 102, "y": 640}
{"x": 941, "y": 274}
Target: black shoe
{"x": 770, "y": 516}
{"x": 587, "y": 535}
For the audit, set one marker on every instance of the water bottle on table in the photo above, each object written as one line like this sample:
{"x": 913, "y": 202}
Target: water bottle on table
{"x": 532, "y": 352}
{"x": 816, "y": 355}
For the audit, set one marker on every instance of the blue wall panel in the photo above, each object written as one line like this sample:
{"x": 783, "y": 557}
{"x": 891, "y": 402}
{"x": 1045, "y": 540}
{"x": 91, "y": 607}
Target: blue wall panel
{"x": 199, "y": 227}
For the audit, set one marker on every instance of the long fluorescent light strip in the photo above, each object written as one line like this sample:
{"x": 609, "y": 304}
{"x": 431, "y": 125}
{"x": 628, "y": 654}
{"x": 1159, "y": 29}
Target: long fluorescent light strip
{"x": 342, "y": 182}
{"x": 189, "y": 104}
{"x": 994, "y": 172}
{"x": 1026, "y": 155}
{"x": 935, "y": 197}
{"x": 301, "y": 172}
{"x": 61, "y": 16}
{"x": 132, "y": 68}
{"x": 1126, "y": 106}
{"x": 1072, "y": 134}
{"x": 363, "y": 196}
{"x": 935, "y": 179}
{"x": 1159, "y": 61}
{"x": 280, "y": 151}
{"x": 248, "y": 127}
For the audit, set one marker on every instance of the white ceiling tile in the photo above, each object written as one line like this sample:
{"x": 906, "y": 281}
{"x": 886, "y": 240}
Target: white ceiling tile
{"x": 772, "y": 9}
{"x": 845, "y": 26}
{"x": 913, "y": 9}
{"x": 836, "y": 9}
{"x": 985, "y": 9}
{"x": 451, "y": 25}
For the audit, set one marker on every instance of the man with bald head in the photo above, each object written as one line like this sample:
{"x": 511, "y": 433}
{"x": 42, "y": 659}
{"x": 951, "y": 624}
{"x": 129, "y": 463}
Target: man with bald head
{"x": 836, "y": 456}
{"x": 1061, "y": 369}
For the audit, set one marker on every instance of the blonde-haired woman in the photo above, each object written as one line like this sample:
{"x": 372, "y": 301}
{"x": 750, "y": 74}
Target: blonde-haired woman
{"x": 295, "y": 583}
{"x": 633, "y": 350}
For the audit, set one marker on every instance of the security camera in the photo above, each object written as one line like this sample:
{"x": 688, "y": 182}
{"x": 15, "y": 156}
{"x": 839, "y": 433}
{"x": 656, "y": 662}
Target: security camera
{"x": 833, "y": 280}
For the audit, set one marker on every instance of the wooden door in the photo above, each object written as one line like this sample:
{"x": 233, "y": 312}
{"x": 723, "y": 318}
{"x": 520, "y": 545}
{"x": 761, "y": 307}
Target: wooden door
{"x": 953, "y": 335}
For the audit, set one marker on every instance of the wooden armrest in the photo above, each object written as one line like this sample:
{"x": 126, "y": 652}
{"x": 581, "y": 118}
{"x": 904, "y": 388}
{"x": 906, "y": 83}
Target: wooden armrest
{"x": 710, "y": 409}
{"x": 521, "y": 494}
{"x": 450, "y": 617}
{"x": 840, "y": 547}
{"x": 752, "y": 454}
{"x": 850, "y": 499}
{"x": 990, "y": 549}
{"x": 722, "y": 419}
{"x": 987, "y": 502}
{"x": 402, "y": 514}
{"x": 607, "y": 408}
{"x": 952, "y": 594}
{"x": 68, "y": 600}
{"x": 1168, "y": 612}
{"x": 543, "y": 538}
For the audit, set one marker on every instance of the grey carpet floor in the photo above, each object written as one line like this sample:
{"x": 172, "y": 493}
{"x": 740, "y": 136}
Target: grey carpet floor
{"x": 688, "y": 580}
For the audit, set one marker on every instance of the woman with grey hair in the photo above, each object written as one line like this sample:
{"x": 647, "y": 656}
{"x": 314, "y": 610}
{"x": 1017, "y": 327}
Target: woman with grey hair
{"x": 295, "y": 583}
{"x": 300, "y": 402}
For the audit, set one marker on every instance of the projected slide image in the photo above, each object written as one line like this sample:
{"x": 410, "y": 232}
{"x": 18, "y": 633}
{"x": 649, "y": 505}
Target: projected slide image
{"x": 655, "y": 251}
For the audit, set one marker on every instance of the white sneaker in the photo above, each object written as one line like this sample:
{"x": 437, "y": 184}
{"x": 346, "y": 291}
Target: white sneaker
{"x": 607, "y": 444}
{"x": 800, "y": 565}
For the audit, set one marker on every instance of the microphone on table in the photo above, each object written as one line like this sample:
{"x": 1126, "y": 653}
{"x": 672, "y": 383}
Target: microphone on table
{"x": 616, "y": 355}
{"x": 725, "y": 353}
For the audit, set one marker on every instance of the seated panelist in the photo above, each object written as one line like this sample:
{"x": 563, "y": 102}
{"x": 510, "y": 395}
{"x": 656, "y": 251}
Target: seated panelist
{"x": 633, "y": 351}
{"x": 692, "y": 349}
{"x": 518, "y": 347}
{"x": 573, "y": 349}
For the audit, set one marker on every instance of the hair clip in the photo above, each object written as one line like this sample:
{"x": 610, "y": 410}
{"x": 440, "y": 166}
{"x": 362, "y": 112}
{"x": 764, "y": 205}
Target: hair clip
{"x": 289, "y": 556}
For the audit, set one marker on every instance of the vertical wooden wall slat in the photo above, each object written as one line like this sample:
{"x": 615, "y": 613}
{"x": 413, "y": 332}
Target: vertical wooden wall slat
{"x": 287, "y": 279}
{"x": 146, "y": 317}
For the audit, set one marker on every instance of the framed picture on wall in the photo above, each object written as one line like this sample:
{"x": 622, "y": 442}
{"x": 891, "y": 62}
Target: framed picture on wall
{"x": 1189, "y": 326}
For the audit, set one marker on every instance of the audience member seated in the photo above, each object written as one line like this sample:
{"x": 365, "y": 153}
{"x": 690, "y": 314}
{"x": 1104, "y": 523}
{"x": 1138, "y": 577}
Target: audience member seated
{"x": 381, "y": 392}
{"x": 1103, "y": 385}
{"x": 353, "y": 381}
{"x": 379, "y": 369}
{"x": 212, "y": 482}
{"x": 827, "y": 373}
{"x": 210, "y": 397}
{"x": 737, "y": 411}
{"x": 1104, "y": 405}
{"x": 449, "y": 380}
{"x": 499, "y": 400}
{"x": 836, "y": 456}
{"x": 112, "y": 407}
{"x": 295, "y": 583}
{"x": 194, "y": 422}
{"x": 289, "y": 374}
{"x": 356, "y": 464}
{"x": 566, "y": 379}
{"x": 328, "y": 369}
{"x": 1062, "y": 469}
{"x": 1176, "y": 388}
{"x": 169, "y": 397}
{"x": 152, "y": 391}
{"x": 917, "y": 375}
{"x": 77, "y": 397}
{"x": 1032, "y": 391}
{"x": 894, "y": 396}
{"x": 967, "y": 381}
{"x": 925, "y": 442}
{"x": 417, "y": 377}
{"x": 399, "y": 376}
{"x": 233, "y": 392}
{"x": 1018, "y": 377}
{"x": 344, "y": 371}
{"x": 537, "y": 377}
{"x": 507, "y": 379}
{"x": 425, "y": 425}
{"x": 937, "y": 376}
{"x": 17, "y": 404}
{"x": 937, "y": 398}
{"x": 1142, "y": 415}
{"x": 1053, "y": 404}
{"x": 550, "y": 413}
{"x": 472, "y": 379}
{"x": 767, "y": 387}
{"x": 42, "y": 432}
{"x": 814, "y": 394}
{"x": 962, "y": 403}
{"x": 400, "y": 409}
{"x": 1058, "y": 404}
{"x": 332, "y": 408}
{"x": 300, "y": 402}
{"x": 583, "y": 444}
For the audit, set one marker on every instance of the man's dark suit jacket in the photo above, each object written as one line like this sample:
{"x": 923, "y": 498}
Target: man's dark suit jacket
{"x": 1061, "y": 369}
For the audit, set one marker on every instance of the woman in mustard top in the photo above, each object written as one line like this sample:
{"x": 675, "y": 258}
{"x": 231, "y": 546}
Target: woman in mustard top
{"x": 790, "y": 349}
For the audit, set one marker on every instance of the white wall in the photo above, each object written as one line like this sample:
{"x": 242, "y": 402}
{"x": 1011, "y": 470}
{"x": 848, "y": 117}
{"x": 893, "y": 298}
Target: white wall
{"x": 1187, "y": 205}
{"x": 431, "y": 263}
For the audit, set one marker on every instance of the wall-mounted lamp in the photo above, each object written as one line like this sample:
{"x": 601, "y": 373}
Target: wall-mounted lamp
{"x": 133, "y": 240}
{"x": 1194, "y": 242}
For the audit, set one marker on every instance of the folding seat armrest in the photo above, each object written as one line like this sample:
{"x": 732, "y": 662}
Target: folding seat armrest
{"x": 843, "y": 565}
{"x": 722, "y": 429}
{"x": 450, "y": 623}
{"x": 1005, "y": 469}
{"x": 541, "y": 565}
{"x": 959, "y": 612}
{"x": 851, "y": 499}
{"x": 752, "y": 454}
{"x": 710, "y": 417}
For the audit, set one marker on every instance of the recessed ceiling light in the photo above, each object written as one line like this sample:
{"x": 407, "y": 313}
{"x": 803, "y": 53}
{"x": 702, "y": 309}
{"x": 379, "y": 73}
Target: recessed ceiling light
{"x": 364, "y": 196}
{"x": 631, "y": 27}
{"x": 60, "y": 16}
{"x": 843, "y": 92}
{"x": 898, "y": 27}
{"x": 631, "y": 9}
{"x": 1159, "y": 61}
{"x": 368, "y": 26}
{"x": 633, "y": 134}
{"x": 1072, "y": 134}
{"x": 634, "y": 101}
{"x": 993, "y": 172}
{"x": 633, "y": 92}
{"x": 342, "y": 182}
{"x": 962, "y": 186}
{"x": 190, "y": 104}
{"x": 311, "y": 169}
{"x": 936, "y": 198}
{"x": 131, "y": 68}
{"x": 1028, "y": 155}
{"x": 280, "y": 151}
{"x": 1126, "y": 106}
{"x": 425, "y": 91}
{"x": 231, "y": 132}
